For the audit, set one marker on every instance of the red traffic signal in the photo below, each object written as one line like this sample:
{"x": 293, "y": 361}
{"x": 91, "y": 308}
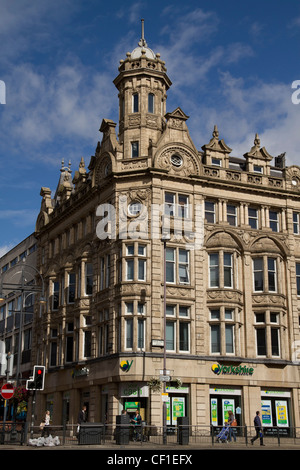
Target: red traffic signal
{"x": 38, "y": 380}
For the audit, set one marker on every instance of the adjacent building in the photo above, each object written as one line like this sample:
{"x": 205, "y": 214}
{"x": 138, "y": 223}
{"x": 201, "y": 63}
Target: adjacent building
{"x": 17, "y": 297}
{"x": 156, "y": 250}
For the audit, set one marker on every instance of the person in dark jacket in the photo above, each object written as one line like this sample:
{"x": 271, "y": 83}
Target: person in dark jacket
{"x": 258, "y": 429}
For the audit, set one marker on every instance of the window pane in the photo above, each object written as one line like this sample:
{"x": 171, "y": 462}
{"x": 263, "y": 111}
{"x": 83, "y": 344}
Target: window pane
{"x": 142, "y": 270}
{"x": 170, "y": 204}
{"x": 258, "y": 274}
{"x": 228, "y": 314}
{"x": 210, "y": 212}
{"x": 170, "y": 265}
{"x": 261, "y": 342}
{"x": 183, "y": 336}
{"x": 130, "y": 269}
{"x": 227, "y": 270}
{"x": 273, "y": 216}
{"x": 229, "y": 338}
{"x": 150, "y": 103}
{"x": 275, "y": 341}
{"x": 183, "y": 311}
{"x": 252, "y": 218}
{"x": 134, "y": 149}
{"x": 141, "y": 326}
{"x": 231, "y": 215}
{"x": 87, "y": 343}
{"x": 129, "y": 334}
{"x": 183, "y": 206}
{"x": 170, "y": 310}
{"x": 215, "y": 338}
{"x": 170, "y": 326}
{"x": 214, "y": 270}
{"x": 272, "y": 274}
{"x": 72, "y": 280}
{"x": 215, "y": 314}
{"x": 183, "y": 267}
{"x": 135, "y": 103}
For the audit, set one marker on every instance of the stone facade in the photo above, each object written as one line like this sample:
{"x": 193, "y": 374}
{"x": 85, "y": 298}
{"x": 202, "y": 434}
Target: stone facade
{"x": 231, "y": 258}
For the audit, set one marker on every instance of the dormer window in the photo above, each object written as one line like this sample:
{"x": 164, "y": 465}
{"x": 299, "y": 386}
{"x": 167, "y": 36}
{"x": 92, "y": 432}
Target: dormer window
{"x": 216, "y": 161}
{"x": 135, "y": 103}
{"x": 258, "y": 169}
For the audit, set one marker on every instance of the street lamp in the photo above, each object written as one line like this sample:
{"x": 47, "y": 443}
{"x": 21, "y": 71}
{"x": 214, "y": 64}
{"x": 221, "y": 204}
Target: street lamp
{"x": 165, "y": 238}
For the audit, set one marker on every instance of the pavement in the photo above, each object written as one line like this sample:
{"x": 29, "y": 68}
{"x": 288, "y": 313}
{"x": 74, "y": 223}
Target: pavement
{"x": 173, "y": 449}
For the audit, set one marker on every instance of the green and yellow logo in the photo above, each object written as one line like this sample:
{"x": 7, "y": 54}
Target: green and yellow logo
{"x": 125, "y": 365}
{"x": 219, "y": 369}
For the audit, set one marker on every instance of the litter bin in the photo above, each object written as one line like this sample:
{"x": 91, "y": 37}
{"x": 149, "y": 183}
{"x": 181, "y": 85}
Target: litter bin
{"x": 91, "y": 433}
{"x": 183, "y": 430}
{"x": 122, "y": 429}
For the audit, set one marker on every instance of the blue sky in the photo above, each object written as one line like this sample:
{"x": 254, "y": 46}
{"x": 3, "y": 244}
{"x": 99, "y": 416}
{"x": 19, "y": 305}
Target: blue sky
{"x": 232, "y": 63}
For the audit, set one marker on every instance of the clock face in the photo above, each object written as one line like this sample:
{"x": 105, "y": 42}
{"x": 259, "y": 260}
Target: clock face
{"x": 294, "y": 182}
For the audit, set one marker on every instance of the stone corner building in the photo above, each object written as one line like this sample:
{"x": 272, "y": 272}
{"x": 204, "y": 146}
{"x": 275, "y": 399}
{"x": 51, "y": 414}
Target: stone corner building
{"x": 231, "y": 296}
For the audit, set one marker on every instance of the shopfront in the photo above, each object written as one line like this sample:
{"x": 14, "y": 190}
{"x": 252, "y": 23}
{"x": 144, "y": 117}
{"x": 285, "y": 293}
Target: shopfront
{"x": 177, "y": 404}
{"x": 276, "y": 413}
{"x": 223, "y": 400}
{"x": 133, "y": 396}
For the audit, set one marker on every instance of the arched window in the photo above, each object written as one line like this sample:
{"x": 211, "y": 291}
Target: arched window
{"x": 151, "y": 103}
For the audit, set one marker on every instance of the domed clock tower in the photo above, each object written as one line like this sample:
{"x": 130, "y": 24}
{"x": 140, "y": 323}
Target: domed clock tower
{"x": 142, "y": 84}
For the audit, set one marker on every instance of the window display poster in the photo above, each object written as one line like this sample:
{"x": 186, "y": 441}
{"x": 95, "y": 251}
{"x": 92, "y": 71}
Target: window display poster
{"x": 266, "y": 413}
{"x": 177, "y": 408}
{"x": 281, "y": 413}
{"x": 227, "y": 405}
{"x": 214, "y": 411}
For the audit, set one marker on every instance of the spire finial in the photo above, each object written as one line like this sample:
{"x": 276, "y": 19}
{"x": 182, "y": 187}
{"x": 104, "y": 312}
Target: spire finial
{"x": 142, "y": 21}
{"x": 142, "y": 42}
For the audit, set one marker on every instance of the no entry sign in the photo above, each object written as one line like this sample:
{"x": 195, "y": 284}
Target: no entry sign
{"x": 7, "y": 391}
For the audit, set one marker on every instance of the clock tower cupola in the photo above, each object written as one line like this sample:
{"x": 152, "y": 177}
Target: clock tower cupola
{"x": 142, "y": 84}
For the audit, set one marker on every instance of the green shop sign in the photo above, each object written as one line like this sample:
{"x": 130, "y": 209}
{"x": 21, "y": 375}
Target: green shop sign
{"x": 219, "y": 369}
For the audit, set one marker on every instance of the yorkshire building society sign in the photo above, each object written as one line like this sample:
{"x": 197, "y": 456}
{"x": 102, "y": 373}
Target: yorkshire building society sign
{"x": 220, "y": 369}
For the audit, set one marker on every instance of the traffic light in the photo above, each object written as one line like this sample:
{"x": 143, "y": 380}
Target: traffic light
{"x": 39, "y": 377}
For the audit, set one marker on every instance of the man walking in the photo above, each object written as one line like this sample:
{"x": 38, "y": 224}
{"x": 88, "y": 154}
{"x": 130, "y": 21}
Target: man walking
{"x": 258, "y": 429}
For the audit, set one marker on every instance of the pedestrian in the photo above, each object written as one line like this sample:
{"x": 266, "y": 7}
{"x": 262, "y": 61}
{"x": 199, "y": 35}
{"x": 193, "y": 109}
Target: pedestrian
{"x": 258, "y": 429}
{"x": 45, "y": 424}
{"x": 137, "y": 421}
{"x": 82, "y": 417}
{"x": 231, "y": 422}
